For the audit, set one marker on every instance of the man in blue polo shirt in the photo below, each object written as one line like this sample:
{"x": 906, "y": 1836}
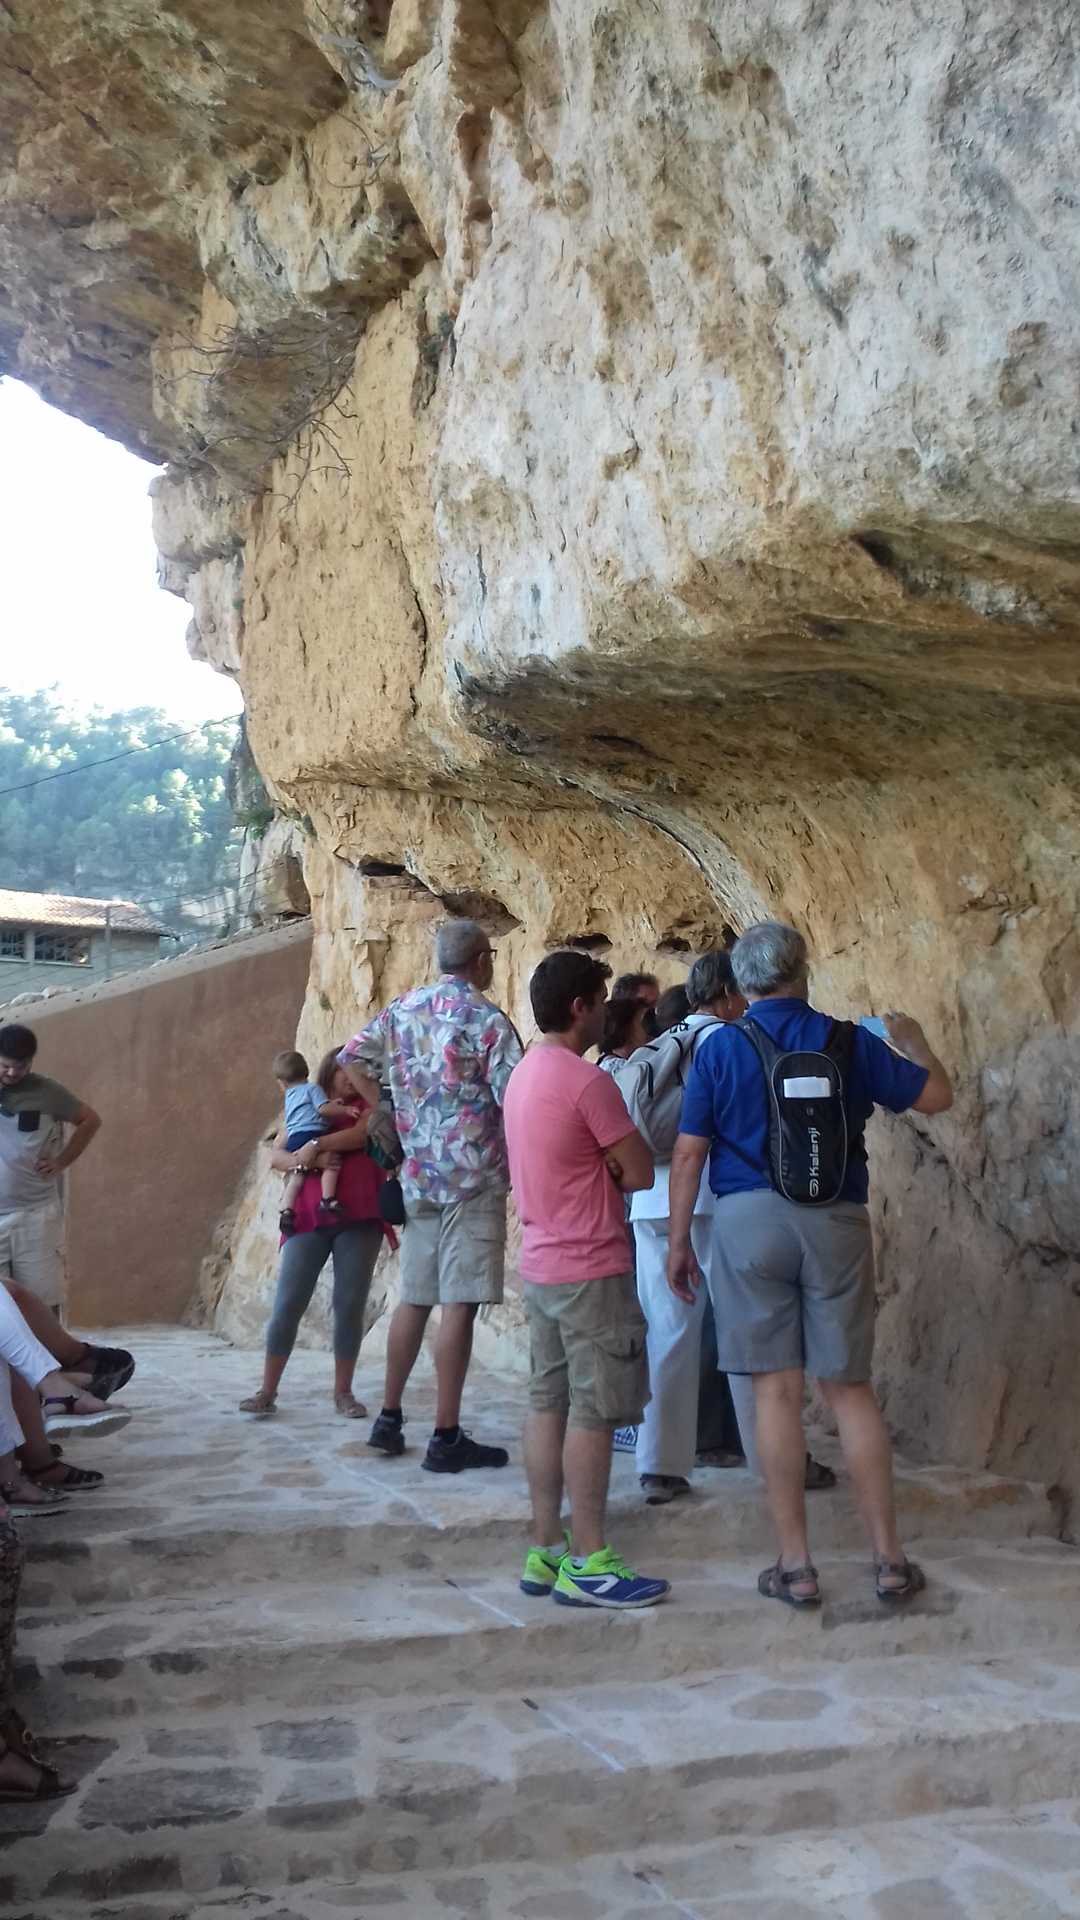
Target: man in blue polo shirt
{"x": 793, "y": 1286}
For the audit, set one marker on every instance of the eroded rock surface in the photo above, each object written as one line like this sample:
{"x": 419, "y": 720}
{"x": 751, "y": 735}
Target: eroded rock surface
{"x": 627, "y": 455}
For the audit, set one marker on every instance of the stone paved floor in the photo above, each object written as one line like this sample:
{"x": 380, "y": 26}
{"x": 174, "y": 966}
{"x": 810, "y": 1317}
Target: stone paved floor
{"x": 297, "y": 1679}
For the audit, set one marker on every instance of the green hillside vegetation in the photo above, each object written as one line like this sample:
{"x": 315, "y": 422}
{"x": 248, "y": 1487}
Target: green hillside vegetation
{"x": 155, "y": 826}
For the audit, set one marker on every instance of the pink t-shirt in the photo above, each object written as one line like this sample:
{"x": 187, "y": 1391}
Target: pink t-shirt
{"x": 561, "y": 1115}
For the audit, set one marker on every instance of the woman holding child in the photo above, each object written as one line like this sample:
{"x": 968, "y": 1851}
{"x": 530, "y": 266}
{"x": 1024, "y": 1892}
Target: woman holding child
{"x": 352, "y": 1240}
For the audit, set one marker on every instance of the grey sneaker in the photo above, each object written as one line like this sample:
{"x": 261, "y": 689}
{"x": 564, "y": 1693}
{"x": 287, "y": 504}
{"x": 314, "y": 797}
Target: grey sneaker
{"x": 659, "y": 1488}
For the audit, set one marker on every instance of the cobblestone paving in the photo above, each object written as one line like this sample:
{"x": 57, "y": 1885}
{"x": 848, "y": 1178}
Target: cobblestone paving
{"x": 298, "y": 1680}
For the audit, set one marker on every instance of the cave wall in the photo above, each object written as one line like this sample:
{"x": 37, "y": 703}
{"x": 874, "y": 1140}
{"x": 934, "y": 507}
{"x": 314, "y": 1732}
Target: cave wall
{"x": 627, "y": 457}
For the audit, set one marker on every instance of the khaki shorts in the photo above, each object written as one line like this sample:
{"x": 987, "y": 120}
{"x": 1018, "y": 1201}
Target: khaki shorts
{"x": 793, "y": 1287}
{"x": 453, "y": 1255}
{"x": 587, "y": 1350}
{"x": 32, "y": 1252}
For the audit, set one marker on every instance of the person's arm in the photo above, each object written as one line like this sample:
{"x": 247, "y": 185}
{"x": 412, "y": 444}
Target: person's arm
{"x": 630, "y": 1163}
{"x": 85, "y": 1123}
{"x": 688, "y": 1159}
{"x": 501, "y": 1057}
{"x": 336, "y": 1113}
{"x": 603, "y": 1110}
{"x": 909, "y": 1039}
{"x": 363, "y": 1059}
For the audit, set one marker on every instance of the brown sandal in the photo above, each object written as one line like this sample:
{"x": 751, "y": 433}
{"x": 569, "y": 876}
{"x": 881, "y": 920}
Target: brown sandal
{"x": 914, "y": 1579}
{"x": 47, "y": 1786}
{"x": 348, "y": 1405}
{"x": 261, "y": 1404}
{"x": 776, "y": 1584}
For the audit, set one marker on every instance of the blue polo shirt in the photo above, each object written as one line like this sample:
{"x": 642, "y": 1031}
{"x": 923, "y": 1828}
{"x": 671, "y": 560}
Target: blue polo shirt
{"x": 726, "y": 1100}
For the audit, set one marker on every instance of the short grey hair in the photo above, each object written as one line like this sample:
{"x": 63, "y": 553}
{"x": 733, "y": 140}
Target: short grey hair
{"x": 768, "y": 957}
{"x": 457, "y": 943}
{"x": 709, "y": 979}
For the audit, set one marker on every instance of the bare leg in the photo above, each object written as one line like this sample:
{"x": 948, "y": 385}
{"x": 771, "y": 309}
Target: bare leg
{"x": 404, "y": 1341}
{"x": 781, "y": 1447}
{"x": 331, "y": 1167}
{"x": 14, "y": 1484}
{"x": 868, "y": 1453}
{"x": 453, "y": 1351}
{"x": 291, "y": 1192}
{"x": 587, "y": 1466}
{"x": 69, "y": 1353}
{"x": 544, "y": 1437}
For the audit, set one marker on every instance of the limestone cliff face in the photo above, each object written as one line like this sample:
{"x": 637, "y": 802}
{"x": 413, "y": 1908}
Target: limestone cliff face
{"x": 627, "y": 455}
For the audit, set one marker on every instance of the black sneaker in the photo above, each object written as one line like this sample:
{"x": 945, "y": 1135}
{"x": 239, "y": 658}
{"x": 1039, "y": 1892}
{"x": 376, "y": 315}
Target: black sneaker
{"x": 453, "y": 1456}
{"x": 112, "y": 1369}
{"x": 387, "y": 1436}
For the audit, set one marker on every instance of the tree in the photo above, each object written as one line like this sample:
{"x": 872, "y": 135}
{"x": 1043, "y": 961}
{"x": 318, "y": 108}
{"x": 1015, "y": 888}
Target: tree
{"x": 155, "y": 826}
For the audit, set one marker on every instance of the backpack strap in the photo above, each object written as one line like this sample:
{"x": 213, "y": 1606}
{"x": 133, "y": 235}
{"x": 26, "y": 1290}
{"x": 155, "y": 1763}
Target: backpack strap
{"x": 767, "y": 1051}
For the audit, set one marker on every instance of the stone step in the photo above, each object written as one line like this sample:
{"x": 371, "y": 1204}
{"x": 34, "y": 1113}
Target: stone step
{"x": 553, "y": 1775}
{"x": 385, "y": 1517}
{"x": 290, "y": 1645}
{"x": 966, "y": 1865}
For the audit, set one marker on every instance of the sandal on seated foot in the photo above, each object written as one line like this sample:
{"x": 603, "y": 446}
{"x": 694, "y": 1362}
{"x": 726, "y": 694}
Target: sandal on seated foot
{"x": 777, "y": 1584}
{"x": 20, "y": 1507}
{"x": 350, "y": 1406}
{"x": 914, "y": 1579}
{"x": 261, "y": 1404}
{"x": 62, "y": 1477}
{"x": 27, "y": 1779}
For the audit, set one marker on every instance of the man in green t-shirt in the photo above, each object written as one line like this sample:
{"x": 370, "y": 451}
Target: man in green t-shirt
{"x": 34, "y": 1153}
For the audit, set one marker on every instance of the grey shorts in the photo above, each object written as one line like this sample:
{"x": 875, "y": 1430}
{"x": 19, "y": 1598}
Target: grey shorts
{"x": 587, "y": 1350}
{"x": 793, "y": 1287}
{"x": 453, "y": 1255}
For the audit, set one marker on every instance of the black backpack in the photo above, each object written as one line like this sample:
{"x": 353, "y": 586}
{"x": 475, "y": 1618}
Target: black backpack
{"x": 809, "y": 1148}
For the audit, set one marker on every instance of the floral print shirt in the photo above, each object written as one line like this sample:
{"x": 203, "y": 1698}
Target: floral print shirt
{"x": 447, "y": 1054}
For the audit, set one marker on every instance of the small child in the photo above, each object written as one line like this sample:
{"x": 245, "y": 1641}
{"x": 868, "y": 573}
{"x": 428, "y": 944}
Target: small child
{"x": 308, "y": 1115}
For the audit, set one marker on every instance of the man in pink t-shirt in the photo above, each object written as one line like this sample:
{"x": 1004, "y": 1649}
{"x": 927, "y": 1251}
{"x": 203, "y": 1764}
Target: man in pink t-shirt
{"x": 574, "y": 1154}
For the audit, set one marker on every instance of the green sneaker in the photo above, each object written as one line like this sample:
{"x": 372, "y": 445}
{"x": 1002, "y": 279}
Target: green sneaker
{"x": 541, "y": 1571}
{"x": 604, "y": 1580}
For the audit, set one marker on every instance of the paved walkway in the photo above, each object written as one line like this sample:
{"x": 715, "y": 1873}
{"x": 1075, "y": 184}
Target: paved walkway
{"x": 298, "y": 1680}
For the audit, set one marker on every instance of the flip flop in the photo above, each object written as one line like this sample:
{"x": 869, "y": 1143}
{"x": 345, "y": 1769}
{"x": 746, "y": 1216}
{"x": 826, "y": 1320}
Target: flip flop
{"x": 348, "y": 1405}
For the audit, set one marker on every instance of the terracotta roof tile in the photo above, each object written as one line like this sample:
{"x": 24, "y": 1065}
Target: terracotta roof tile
{"x": 61, "y": 910}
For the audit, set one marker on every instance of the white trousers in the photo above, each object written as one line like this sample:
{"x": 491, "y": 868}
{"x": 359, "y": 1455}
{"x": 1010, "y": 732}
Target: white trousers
{"x": 667, "y": 1437}
{"x": 18, "y": 1349}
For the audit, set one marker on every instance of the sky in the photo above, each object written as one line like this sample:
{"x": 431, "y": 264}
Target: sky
{"x": 80, "y": 607}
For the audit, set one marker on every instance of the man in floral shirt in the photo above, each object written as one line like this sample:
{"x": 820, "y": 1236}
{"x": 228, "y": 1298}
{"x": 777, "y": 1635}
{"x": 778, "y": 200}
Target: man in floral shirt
{"x": 447, "y": 1054}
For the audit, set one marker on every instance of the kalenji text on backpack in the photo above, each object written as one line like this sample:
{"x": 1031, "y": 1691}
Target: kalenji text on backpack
{"x": 808, "y": 1130}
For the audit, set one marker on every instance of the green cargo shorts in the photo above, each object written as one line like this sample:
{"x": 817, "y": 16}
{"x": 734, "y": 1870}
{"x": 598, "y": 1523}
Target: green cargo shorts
{"x": 587, "y": 1350}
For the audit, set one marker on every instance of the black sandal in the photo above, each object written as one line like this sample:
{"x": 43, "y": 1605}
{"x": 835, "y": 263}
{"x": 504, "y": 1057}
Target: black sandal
{"x": 914, "y": 1580}
{"x": 74, "y": 1479}
{"x": 776, "y": 1584}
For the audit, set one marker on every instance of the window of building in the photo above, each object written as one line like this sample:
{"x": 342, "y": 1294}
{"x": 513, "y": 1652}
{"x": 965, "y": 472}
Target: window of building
{"x": 12, "y": 943}
{"x": 66, "y": 949}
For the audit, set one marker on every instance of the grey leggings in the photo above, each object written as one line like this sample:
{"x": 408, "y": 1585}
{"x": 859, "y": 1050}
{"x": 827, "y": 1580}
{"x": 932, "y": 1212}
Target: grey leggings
{"x": 354, "y": 1251}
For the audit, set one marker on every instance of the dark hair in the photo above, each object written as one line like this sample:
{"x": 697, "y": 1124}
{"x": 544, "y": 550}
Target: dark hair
{"x": 710, "y": 978}
{"x": 290, "y": 1066}
{"x": 628, "y": 986}
{"x": 562, "y": 978}
{"x": 18, "y": 1043}
{"x": 619, "y": 1017}
{"x": 328, "y": 1066}
{"x": 671, "y": 1008}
